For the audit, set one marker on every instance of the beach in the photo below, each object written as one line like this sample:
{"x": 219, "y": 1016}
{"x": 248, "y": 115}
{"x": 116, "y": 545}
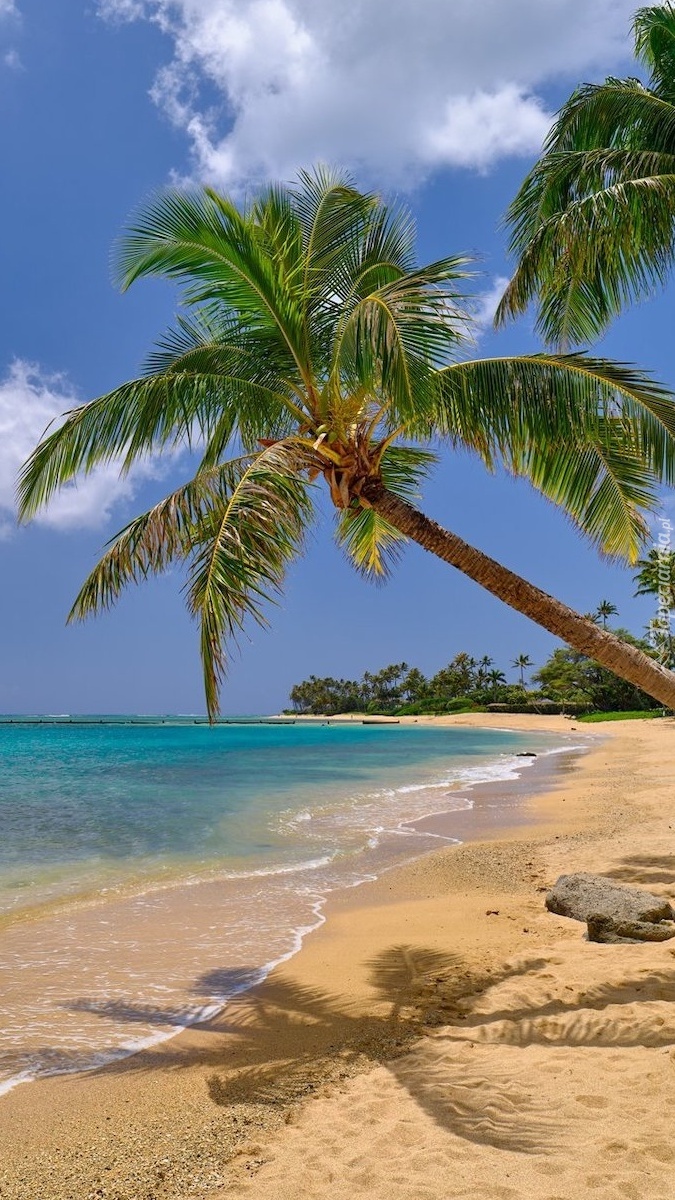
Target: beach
{"x": 440, "y": 1034}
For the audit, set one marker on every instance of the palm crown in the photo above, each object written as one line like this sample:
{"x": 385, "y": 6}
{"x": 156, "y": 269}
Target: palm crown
{"x": 656, "y": 575}
{"x": 312, "y": 346}
{"x": 592, "y": 224}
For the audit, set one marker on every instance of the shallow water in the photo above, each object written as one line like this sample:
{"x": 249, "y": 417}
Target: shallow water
{"x": 149, "y": 872}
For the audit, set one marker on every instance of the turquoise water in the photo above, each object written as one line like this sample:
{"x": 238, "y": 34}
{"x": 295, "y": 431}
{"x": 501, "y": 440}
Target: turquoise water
{"x": 123, "y": 797}
{"x": 153, "y": 870}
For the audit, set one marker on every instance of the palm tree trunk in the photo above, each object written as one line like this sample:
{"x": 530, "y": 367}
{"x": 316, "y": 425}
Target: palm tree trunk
{"x": 620, "y": 657}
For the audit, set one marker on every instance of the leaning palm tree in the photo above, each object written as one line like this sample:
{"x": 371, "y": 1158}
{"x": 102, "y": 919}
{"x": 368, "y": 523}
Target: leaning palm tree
{"x": 314, "y": 349}
{"x": 593, "y": 223}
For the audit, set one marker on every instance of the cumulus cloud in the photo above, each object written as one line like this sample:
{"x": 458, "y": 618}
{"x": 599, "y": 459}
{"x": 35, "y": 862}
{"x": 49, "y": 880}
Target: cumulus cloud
{"x": 31, "y": 400}
{"x": 400, "y": 88}
{"x": 486, "y": 302}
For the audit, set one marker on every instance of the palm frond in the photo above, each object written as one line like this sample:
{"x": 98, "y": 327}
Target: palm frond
{"x": 332, "y": 215}
{"x": 336, "y": 221}
{"x": 193, "y": 330}
{"x": 604, "y": 486}
{"x": 656, "y": 574}
{"x": 238, "y": 525}
{"x": 616, "y": 114}
{"x": 394, "y": 338}
{"x": 654, "y": 32}
{"x": 223, "y": 256}
{"x": 156, "y": 413}
{"x": 592, "y": 224}
{"x": 240, "y": 555}
{"x": 493, "y": 404}
{"x": 598, "y": 253}
{"x": 142, "y": 416}
{"x": 594, "y": 437}
{"x": 371, "y": 544}
{"x": 382, "y": 251}
{"x": 150, "y": 543}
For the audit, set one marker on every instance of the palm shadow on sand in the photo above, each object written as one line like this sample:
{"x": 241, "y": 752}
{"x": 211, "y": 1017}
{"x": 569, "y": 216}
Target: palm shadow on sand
{"x": 416, "y": 988}
{"x": 285, "y": 1037}
{"x": 645, "y": 869}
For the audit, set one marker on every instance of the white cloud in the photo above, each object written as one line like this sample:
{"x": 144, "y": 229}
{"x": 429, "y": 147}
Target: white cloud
{"x": 121, "y": 10}
{"x": 476, "y": 130}
{"x": 486, "y": 302}
{"x": 264, "y": 86}
{"x": 30, "y": 400}
{"x": 8, "y": 9}
{"x": 12, "y": 60}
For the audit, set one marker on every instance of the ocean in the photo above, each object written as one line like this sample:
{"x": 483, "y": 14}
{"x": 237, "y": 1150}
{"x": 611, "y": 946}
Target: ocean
{"x": 152, "y": 868}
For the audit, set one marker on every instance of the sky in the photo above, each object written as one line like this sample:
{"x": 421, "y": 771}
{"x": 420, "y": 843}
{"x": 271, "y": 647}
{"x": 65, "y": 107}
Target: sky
{"x": 104, "y": 101}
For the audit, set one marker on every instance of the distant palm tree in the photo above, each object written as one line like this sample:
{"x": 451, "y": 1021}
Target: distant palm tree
{"x": 482, "y": 667}
{"x": 495, "y": 680}
{"x": 521, "y": 663}
{"x": 604, "y": 610}
{"x": 593, "y": 223}
{"x": 314, "y": 347}
{"x": 656, "y": 575}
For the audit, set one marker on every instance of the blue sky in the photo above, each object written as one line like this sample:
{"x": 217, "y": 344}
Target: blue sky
{"x": 102, "y": 103}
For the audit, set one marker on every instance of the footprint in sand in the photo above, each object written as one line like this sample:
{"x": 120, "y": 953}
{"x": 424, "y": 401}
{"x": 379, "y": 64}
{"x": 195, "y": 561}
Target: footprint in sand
{"x": 630, "y": 1190}
{"x": 551, "y": 1168}
{"x": 597, "y": 1181}
{"x": 592, "y": 1101}
{"x": 661, "y": 1151}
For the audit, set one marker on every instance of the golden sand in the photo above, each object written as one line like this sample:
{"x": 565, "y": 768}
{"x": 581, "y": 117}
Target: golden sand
{"x": 441, "y": 1036}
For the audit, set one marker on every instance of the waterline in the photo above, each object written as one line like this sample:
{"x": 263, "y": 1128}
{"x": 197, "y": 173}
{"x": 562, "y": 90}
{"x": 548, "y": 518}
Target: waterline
{"x": 273, "y": 821}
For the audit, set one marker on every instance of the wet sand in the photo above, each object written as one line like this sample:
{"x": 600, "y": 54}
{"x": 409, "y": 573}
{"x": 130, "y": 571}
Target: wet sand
{"x": 440, "y": 1035}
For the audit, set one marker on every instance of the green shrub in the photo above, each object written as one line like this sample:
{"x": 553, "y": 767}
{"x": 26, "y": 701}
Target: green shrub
{"x": 436, "y": 708}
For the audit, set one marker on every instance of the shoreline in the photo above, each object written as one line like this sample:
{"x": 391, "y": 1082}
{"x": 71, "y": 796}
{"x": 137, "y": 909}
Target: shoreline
{"x": 498, "y": 807}
{"x": 469, "y": 808}
{"x": 331, "y": 1036}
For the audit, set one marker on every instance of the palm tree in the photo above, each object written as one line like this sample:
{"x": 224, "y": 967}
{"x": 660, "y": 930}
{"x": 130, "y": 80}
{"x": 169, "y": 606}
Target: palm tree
{"x": 414, "y": 685}
{"x": 661, "y": 640}
{"x": 604, "y": 610}
{"x": 495, "y": 680}
{"x": 592, "y": 224}
{"x": 656, "y": 575}
{"x": 312, "y": 347}
{"x": 482, "y": 667}
{"x": 521, "y": 663}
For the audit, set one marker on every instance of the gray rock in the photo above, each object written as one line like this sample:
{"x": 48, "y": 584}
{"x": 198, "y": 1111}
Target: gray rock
{"x": 581, "y": 896}
{"x": 604, "y": 929}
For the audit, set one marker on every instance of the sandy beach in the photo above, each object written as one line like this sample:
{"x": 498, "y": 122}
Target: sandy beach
{"x": 441, "y": 1035}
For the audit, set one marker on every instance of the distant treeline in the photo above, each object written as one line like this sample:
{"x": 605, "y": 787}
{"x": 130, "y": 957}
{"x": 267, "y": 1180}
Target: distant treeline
{"x": 568, "y": 682}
